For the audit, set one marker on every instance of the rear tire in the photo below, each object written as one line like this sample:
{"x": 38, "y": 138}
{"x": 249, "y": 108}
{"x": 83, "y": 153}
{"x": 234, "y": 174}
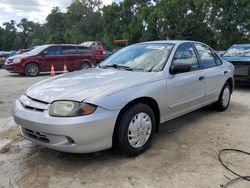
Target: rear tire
{"x": 224, "y": 98}
{"x": 135, "y": 130}
{"x": 85, "y": 65}
{"x": 32, "y": 70}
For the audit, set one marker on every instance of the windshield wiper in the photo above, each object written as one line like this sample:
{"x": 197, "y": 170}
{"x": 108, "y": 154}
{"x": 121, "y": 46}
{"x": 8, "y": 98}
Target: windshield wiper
{"x": 115, "y": 66}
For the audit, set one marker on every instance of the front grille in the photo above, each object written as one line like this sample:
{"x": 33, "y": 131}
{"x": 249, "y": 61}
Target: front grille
{"x": 35, "y": 135}
{"x": 9, "y": 61}
{"x": 33, "y": 104}
{"x": 33, "y": 109}
{"x": 242, "y": 70}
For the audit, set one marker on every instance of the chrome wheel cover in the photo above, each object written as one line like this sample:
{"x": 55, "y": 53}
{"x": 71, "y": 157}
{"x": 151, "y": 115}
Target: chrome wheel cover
{"x": 225, "y": 97}
{"x": 32, "y": 70}
{"x": 139, "y": 130}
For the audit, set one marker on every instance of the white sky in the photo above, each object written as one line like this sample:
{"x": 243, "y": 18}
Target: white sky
{"x": 34, "y": 10}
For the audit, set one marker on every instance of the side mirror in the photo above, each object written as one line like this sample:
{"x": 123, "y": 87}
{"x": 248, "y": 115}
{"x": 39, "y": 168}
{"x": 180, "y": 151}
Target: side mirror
{"x": 44, "y": 53}
{"x": 180, "y": 68}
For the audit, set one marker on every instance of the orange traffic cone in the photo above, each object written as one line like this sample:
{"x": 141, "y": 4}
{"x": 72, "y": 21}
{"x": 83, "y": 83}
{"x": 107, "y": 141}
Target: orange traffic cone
{"x": 52, "y": 72}
{"x": 65, "y": 70}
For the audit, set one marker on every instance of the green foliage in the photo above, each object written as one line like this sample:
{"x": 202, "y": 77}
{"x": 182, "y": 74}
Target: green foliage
{"x": 36, "y": 42}
{"x": 218, "y": 23}
{"x": 54, "y": 28}
{"x": 83, "y": 21}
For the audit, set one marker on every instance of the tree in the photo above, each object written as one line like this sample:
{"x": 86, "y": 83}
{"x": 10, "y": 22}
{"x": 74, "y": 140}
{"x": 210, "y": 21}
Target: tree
{"x": 37, "y": 42}
{"x": 111, "y": 23}
{"x": 9, "y": 35}
{"x": 54, "y": 28}
{"x": 183, "y": 20}
{"x": 230, "y": 21}
{"x": 83, "y": 21}
{"x": 217, "y": 23}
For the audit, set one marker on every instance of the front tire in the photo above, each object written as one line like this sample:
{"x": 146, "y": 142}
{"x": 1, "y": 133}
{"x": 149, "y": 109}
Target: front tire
{"x": 224, "y": 98}
{"x": 32, "y": 70}
{"x": 135, "y": 130}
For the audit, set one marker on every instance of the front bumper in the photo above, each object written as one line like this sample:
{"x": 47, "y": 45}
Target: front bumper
{"x": 68, "y": 134}
{"x": 14, "y": 68}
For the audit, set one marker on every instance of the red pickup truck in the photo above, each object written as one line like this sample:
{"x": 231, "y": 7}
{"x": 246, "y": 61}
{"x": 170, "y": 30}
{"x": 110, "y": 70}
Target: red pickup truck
{"x": 40, "y": 59}
{"x": 97, "y": 49}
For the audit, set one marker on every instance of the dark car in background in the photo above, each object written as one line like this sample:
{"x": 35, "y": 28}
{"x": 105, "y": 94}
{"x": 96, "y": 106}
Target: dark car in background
{"x": 4, "y": 55}
{"x": 97, "y": 49}
{"x": 22, "y": 51}
{"x": 239, "y": 56}
{"x": 107, "y": 53}
{"x": 40, "y": 59}
{"x": 3, "y": 58}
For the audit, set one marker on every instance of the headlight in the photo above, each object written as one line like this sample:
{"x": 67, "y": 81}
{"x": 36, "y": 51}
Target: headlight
{"x": 17, "y": 60}
{"x": 71, "y": 109}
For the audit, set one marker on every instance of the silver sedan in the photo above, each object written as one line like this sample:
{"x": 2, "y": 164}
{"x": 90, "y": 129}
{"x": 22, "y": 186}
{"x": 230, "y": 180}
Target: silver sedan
{"x": 123, "y": 101}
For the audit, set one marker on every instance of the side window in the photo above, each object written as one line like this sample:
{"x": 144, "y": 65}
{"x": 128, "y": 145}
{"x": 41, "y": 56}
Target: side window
{"x": 84, "y": 50}
{"x": 68, "y": 50}
{"x": 206, "y": 56}
{"x": 55, "y": 50}
{"x": 217, "y": 59}
{"x": 186, "y": 54}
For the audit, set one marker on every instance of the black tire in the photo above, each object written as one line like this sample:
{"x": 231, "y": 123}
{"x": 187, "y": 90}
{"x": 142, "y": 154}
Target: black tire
{"x": 85, "y": 65}
{"x": 122, "y": 138}
{"x": 220, "y": 105}
{"x": 32, "y": 70}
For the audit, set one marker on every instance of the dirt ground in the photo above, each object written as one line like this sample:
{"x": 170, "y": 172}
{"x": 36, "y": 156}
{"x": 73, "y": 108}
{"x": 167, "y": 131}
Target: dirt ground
{"x": 183, "y": 154}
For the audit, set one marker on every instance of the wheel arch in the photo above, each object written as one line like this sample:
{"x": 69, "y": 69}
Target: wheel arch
{"x": 86, "y": 61}
{"x": 144, "y": 100}
{"x": 230, "y": 81}
{"x": 33, "y": 62}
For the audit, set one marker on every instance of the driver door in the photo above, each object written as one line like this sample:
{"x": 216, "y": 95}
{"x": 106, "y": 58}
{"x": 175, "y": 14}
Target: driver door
{"x": 53, "y": 56}
{"x": 185, "y": 91}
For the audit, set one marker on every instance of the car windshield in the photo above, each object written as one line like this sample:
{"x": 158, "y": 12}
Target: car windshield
{"x": 238, "y": 51}
{"x": 140, "y": 57}
{"x": 37, "y": 50}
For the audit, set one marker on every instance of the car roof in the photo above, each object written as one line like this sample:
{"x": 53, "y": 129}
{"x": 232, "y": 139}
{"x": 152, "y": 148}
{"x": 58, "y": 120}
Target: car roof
{"x": 64, "y": 45}
{"x": 168, "y": 41}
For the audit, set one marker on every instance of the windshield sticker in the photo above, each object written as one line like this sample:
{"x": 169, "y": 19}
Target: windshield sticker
{"x": 153, "y": 47}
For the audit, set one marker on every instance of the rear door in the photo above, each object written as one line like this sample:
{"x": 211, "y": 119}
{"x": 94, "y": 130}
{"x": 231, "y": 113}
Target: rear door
{"x": 215, "y": 74}
{"x": 86, "y": 55}
{"x": 71, "y": 57}
{"x": 185, "y": 91}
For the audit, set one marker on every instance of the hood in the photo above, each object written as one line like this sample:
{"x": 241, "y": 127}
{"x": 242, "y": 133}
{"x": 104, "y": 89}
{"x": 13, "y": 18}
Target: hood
{"x": 236, "y": 59}
{"x": 19, "y": 56}
{"x": 80, "y": 85}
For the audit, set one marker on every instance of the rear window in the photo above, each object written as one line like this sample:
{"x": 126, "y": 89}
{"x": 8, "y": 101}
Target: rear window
{"x": 84, "y": 50}
{"x": 67, "y": 50}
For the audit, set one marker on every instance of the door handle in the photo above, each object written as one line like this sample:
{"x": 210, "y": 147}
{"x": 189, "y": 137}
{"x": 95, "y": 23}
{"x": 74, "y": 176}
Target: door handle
{"x": 225, "y": 72}
{"x": 201, "y": 78}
